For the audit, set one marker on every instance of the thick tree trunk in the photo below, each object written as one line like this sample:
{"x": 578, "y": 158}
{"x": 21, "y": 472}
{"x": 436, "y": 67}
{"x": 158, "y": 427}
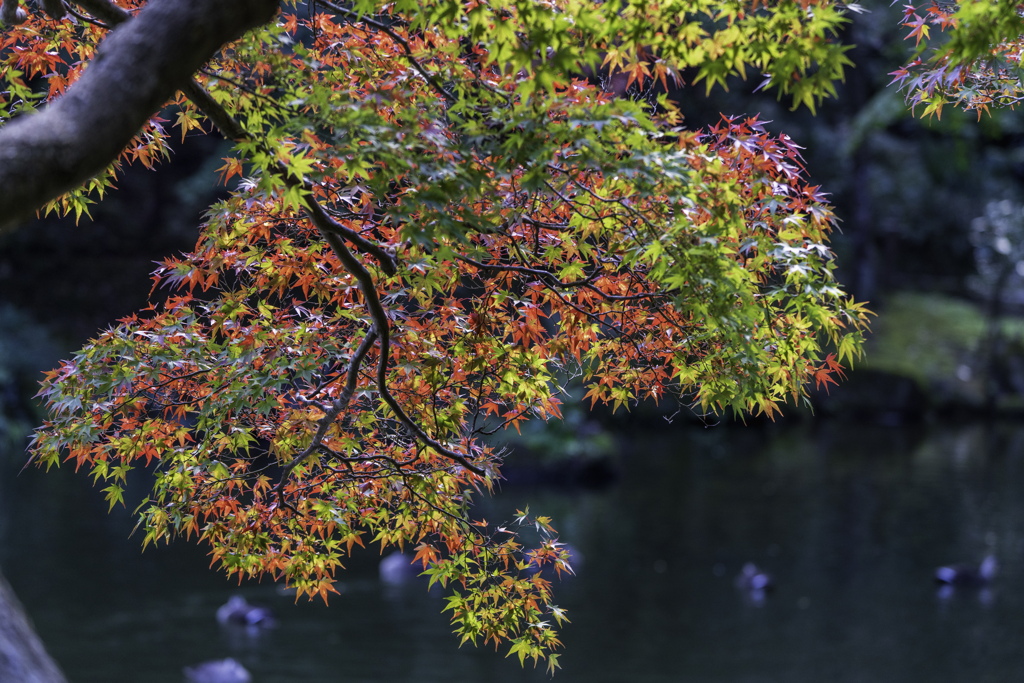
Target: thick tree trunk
{"x": 137, "y": 68}
{"x": 22, "y": 656}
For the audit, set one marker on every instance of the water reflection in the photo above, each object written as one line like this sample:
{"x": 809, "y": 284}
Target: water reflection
{"x": 851, "y": 522}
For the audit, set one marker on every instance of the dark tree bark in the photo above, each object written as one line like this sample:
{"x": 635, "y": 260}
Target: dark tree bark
{"x": 22, "y": 656}
{"x": 137, "y": 68}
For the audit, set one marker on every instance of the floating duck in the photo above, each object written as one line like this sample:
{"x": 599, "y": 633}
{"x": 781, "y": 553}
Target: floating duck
{"x": 237, "y": 612}
{"x": 754, "y": 582}
{"x": 753, "y": 578}
{"x": 218, "y": 671}
{"x": 968, "y": 574}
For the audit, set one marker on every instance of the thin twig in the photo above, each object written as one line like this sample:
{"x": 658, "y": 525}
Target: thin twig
{"x": 88, "y": 20}
{"x": 225, "y": 123}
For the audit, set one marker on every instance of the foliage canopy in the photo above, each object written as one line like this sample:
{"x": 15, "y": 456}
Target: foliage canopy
{"x": 438, "y": 217}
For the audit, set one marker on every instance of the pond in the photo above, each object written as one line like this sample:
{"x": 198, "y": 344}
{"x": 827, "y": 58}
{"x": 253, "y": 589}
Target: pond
{"x": 850, "y": 519}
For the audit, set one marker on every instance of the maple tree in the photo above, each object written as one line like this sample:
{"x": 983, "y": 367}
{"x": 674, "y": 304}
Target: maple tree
{"x": 437, "y": 221}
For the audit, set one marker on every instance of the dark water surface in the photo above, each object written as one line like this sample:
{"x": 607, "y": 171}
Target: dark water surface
{"x": 850, "y": 519}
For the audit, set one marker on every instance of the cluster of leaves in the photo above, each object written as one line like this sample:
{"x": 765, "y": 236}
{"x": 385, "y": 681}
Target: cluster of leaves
{"x": 436, "y": 221}
{"x": 973, "y": 61}
{"x": 38, "y": 62}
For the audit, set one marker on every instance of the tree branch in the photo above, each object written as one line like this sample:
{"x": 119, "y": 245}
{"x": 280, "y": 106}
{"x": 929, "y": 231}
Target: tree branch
{"x": 339, "y": 406}
{"x": 383, "y": 328}
{"x": 105, "y": 11}
{"x": 22, "y": 655}
{"x": 54, "y": 9}
{"x": 137, "y": 68}
{"x": 11, "y": 14}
